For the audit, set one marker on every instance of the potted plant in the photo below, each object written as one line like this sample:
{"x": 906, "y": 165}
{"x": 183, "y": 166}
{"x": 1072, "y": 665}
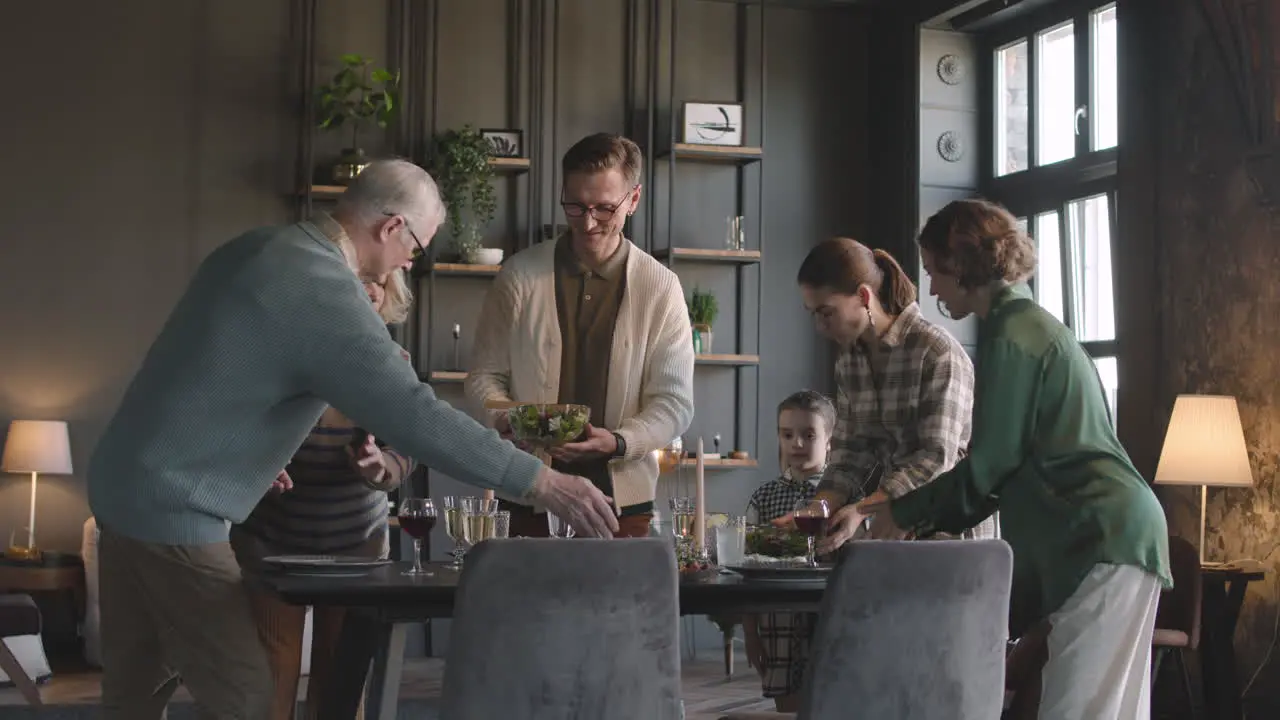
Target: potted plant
{"x": 459, "y": 162}
{"x": 357, "y": 95}
{"x": 702, "y": 315}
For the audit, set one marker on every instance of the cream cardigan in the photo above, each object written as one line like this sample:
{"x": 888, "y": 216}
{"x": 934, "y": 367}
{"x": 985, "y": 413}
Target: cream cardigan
{"x": 516, "y": 356}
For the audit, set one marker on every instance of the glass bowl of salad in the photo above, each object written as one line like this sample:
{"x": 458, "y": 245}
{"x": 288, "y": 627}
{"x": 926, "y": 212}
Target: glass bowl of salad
{"x": 545, "y": 425}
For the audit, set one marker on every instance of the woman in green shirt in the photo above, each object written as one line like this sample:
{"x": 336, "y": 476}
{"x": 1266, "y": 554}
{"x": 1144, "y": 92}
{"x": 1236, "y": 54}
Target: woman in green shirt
{"x": 1089, "y": 538}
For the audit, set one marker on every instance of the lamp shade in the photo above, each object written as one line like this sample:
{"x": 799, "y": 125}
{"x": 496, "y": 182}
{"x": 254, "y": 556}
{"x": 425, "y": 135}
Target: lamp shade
{"x": 1205, "y": 444}
{"x": 37, "y": 446}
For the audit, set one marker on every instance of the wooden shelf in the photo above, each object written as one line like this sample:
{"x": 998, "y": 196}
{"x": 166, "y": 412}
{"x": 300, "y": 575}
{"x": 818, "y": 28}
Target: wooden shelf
{"x": 716, "y": 153}
{"x": 720, "y": 464}
{"x": 737, "y": 257}
{"x": 322, "y": 192}
{"x": 467, "y": 270}
{"x": 723, "y": 359}
{"x": 447, "y": 376}
{"x": 509, "y": 164}
{"x": 502, "y": 165}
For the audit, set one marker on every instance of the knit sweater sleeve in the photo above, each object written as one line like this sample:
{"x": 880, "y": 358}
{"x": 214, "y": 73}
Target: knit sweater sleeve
{"x": 666, "y": 396}
{"x": 341, "y": 352}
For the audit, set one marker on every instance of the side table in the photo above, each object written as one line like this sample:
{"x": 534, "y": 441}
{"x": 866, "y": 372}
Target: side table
{"x": 54, "y": 574}
{"x": 1224, "y": 590}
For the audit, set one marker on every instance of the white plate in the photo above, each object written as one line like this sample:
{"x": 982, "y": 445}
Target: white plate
{"x": 323, "y": 562}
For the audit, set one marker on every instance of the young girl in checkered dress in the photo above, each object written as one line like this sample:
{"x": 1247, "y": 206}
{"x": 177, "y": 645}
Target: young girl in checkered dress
{"x": 778, "y": 642}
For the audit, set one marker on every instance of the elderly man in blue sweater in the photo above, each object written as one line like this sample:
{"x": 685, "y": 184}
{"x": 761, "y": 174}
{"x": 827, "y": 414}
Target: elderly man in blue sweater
{"x": 274, "y": 326}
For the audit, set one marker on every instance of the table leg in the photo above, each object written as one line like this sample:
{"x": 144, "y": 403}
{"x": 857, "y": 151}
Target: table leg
{"x": 388, "y": 667}
{"x": 357, "y": 644}
{"x": 1222, "y": 603}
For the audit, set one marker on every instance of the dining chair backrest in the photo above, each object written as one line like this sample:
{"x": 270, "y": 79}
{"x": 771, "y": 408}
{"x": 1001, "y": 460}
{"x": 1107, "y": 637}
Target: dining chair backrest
{"x": 1179, "y": 609}
{"x": 912, "y": 629}
{"x": 553, "y": 628}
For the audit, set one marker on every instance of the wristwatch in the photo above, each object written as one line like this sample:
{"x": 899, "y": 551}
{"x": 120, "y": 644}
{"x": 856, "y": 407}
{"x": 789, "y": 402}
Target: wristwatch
{"x": 621, "y": 450}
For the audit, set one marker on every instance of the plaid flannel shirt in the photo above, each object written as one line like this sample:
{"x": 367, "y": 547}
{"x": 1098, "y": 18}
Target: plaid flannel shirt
{"x": 914, "y": 418}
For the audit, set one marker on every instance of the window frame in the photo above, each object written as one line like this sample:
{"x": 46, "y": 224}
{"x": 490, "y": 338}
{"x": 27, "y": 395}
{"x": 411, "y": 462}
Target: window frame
{"x": 1051, "y": 188}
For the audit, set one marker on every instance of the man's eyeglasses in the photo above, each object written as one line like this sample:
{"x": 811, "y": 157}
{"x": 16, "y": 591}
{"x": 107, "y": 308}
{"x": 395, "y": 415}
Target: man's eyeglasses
{"x": 602, "y": 213}
{"x": 422, "y": 249}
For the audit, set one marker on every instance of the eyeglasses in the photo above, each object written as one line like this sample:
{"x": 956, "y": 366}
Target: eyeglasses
{"x": 422, "y": 250}
{"x": 601, "y": 213}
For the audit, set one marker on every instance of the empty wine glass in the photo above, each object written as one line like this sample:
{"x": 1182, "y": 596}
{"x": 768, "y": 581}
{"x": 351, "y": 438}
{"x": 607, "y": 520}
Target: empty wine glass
{"x": 417, "y": 517}
{"x": 811, "y": 520}
{"x": 557, "y": 527}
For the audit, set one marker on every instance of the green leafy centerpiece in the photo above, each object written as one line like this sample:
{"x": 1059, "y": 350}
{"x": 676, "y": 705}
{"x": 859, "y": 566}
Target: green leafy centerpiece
{"x": 772, "y": 542}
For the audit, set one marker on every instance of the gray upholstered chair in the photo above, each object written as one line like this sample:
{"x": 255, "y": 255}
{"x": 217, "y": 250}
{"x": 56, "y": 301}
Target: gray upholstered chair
{"x": 558, "y": 629}
{"x": 912, "y": 630}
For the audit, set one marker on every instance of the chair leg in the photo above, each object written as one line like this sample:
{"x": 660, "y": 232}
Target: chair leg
{"x": 1186, "y": 682}
{"x": 14, "y": 670}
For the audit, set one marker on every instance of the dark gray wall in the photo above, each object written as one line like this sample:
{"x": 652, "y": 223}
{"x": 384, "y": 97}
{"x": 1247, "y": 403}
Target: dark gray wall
{"x": 156, "y": 131}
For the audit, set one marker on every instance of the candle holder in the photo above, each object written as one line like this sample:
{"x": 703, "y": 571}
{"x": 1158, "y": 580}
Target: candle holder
{"x": 457, "y": 357}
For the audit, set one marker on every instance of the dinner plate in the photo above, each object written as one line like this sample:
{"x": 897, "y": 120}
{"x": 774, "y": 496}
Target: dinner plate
{"x": 330, "y": 565}
{"x": 784, "y": 572}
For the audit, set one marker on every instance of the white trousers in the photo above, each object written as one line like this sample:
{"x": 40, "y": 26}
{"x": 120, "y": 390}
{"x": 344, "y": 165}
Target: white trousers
{"x": 1099, "y": 665}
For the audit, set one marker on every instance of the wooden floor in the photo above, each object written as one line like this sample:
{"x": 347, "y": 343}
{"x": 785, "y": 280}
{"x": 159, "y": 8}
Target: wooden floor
{"x": 707, "y": 693}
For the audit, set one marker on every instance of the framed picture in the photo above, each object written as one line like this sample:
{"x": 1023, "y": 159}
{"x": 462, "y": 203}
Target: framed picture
{"x": 713, "y": 124}
{"x": 504, "y": 143}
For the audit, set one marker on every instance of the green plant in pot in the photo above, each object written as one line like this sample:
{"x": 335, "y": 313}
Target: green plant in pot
{"x": 357, "y": 95}
{"x": 459, "y": 162}
{"x": 702, "y": 315}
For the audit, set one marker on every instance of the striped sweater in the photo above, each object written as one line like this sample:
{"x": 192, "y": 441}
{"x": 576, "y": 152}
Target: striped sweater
{"x": 330, "y": 509}
{"x": 273, "y": 328}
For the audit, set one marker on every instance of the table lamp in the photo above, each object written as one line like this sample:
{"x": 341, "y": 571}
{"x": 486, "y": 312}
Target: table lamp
{"x": 1204, "y": 446}
{"x": 35, "y": 446}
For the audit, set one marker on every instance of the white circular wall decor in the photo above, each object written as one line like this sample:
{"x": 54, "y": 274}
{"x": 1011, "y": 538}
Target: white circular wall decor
{"x": 950, "y": 146}
{"x": 951, "y": 69}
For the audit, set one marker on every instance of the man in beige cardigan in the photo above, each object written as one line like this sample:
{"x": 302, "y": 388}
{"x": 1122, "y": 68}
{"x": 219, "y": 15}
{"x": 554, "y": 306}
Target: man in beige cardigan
{"x": 591, "y": 319}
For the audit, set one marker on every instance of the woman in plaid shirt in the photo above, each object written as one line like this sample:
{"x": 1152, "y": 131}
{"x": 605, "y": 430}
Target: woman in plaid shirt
{"x": 904, "y": 390}
{"x": 904, "y": 385}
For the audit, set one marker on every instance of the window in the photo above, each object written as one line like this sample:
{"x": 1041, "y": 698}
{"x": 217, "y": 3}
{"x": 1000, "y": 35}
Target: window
{"x": 1051, "y": 139}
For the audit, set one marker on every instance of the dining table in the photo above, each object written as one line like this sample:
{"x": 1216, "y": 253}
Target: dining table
{"x": 384, "y": 603}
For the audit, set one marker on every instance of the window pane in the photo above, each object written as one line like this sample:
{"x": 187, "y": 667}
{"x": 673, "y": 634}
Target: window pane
{"x": 1048, "y": 277}
{"x": 1109, "y": 372}
{"x": 1055, "y": 94}
{"x": 1093, "y": 303}
{"x": 1104, "y": 112}
{"x": 1011, "y": 109}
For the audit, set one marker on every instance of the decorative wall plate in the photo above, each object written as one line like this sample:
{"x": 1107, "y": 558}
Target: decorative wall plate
{"x": 950, "y": 146}
{"x": 951, "y": 69}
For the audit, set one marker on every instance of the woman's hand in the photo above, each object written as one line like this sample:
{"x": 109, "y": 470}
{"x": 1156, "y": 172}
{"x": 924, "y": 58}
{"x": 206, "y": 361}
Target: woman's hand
{"x": 883, "y": 527}
{"x": 282, "y": 483}
{"x": 844, "y": 524}
{"x": 367, "y": 460}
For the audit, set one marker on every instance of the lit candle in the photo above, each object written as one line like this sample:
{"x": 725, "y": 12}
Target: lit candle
{"x": 700, "y": 498}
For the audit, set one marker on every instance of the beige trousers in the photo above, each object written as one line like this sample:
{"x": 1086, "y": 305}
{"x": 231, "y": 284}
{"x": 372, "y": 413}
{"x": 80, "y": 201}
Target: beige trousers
{"x": 1099, "y": 665}
{"x": 281, "y": 628}
{"x": 178, "y": 610}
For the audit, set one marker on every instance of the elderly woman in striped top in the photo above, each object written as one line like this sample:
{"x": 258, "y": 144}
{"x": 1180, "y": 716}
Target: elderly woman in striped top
{"x": 331, "y": 500}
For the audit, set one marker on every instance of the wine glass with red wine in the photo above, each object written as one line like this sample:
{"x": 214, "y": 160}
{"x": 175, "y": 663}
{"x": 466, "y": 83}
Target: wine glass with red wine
{"x": 417, "y": 517}
{"x": 811, "y": 520}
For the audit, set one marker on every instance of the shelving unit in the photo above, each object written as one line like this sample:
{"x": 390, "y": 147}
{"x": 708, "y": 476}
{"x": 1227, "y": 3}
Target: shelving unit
{"x": 741, "y": 261}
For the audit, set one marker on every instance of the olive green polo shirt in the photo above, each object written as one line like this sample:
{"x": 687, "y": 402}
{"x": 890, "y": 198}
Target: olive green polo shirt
{"x": 587, "y": 304}
{"x": 1043, "y": 453}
